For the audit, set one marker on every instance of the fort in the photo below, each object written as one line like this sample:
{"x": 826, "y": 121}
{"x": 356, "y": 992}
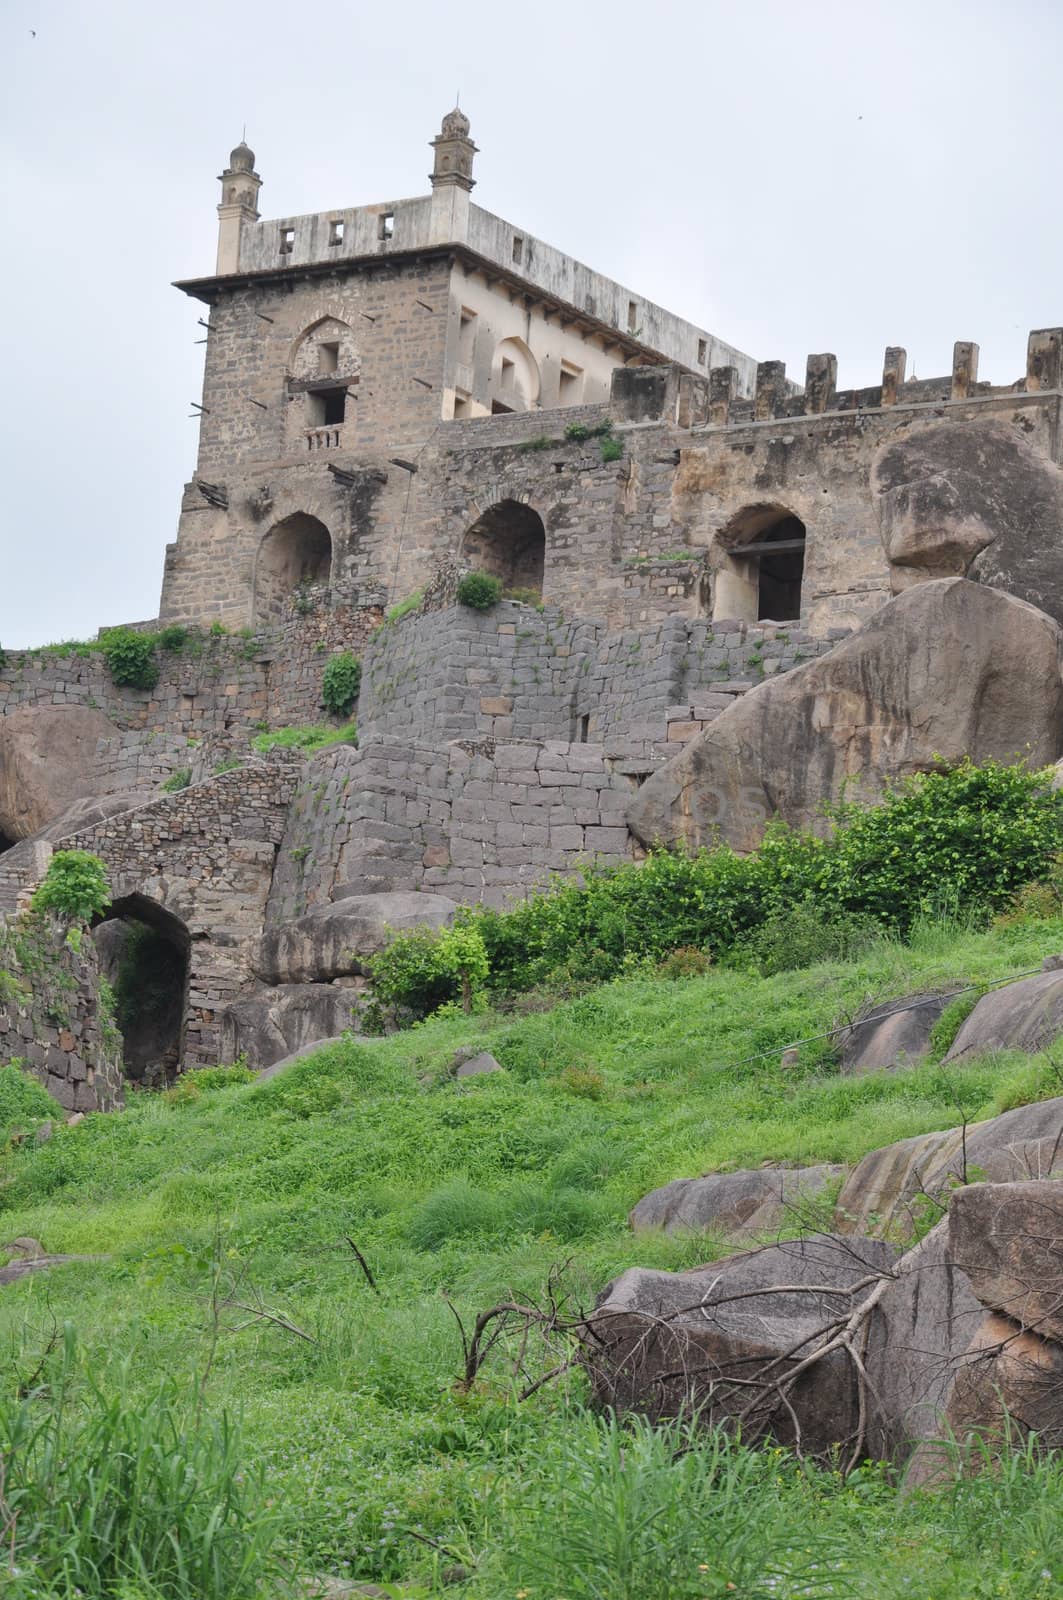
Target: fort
{"x": 395, "y": 394}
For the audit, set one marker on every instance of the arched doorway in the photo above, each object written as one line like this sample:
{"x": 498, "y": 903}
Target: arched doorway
{"x": 143, "y": 952}
{"x": 762, "y": 567}
{"x": 509, "y": 542}
{"x": 293, "y": 552}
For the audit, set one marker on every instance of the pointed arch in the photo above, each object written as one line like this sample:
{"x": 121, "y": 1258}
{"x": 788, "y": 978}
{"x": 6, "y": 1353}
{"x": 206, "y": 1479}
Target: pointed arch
{"x": 508, "y": 540}
{"x": 296, "y": 550}
{"x": 759, "y": 578}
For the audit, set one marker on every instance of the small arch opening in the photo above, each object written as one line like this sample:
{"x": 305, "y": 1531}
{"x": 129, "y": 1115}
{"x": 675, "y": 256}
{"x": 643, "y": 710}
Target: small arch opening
{"x": 143, "y": 952}
{"x": 509, "y": 542}
{"x": 760, "y": 577}
{"x": 6, "y": 842}
{"x": 296, "y": 551}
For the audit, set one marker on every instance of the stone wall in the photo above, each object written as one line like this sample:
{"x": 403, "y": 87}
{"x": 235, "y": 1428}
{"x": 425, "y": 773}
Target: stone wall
{"x": 51, "y": 1019}
{"x": 515, "y": 672}
{"x": 475, "y": 820}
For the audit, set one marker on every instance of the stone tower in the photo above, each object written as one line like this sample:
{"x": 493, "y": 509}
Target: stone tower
{"x": 454, "y": 152}
{"x": 240, "y": 184}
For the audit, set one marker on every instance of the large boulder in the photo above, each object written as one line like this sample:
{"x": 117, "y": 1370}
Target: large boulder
{"x": 948, "y": 669}
{"x": 48, "y": 759}
{"x": 736, "y": 1205}
{"x": 890, "y": 1188}
{"x": 896, "y": 1034}
{"x": 723, "y": 1339}
{"x": 1008, "y": 1239}
{"x": 333, "y": 940}
{"x": 275, "y": 1023}
{"x": 1019, "y": 1016}
{"x": 975, "y": 501}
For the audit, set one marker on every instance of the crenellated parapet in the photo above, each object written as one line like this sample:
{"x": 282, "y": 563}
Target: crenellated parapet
{"x": 775, "y": 397}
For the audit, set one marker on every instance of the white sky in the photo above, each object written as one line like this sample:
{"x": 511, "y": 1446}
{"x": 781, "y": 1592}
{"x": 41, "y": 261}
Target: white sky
{"x": 795, "y": 175}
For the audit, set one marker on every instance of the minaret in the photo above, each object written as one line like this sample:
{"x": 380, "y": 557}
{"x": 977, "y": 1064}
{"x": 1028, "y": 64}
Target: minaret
{"x": 452, "y": 179}
{"x": 240, "y": 184}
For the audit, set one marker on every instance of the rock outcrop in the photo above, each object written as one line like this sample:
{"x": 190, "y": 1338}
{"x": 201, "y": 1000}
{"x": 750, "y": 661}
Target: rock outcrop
{"x": 889, "y": 1036}
{"x": 275, "y": 1023}
{"x": 972, "y": 502}
{"x": 1019, "y": 1016}
{"x": 736, "y": 1205}
{"x": 890, "y": 1188}
{"x": 48, "y": 759}
{"x": 832, "y": 1344}
{"x": 332, "y": 940}
{"x": 948, "y": 669}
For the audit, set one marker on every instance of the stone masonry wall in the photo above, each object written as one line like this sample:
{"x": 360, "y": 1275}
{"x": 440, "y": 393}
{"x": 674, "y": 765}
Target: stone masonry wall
{"x": 475, "y": 820}
{"x": 50, "y": 1015}
{"x": 517, "y": 673}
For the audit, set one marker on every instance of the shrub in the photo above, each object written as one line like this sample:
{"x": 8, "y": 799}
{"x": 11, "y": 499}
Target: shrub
{"x": 479, "y": 591}
{"x": 402, "y": 608}
{"x": 130, "y": 658}
{"x": 172, "y": 638}
{"x": 24, "y": 1103}
{"x": 177, "y": 780}
{"x": 422, "y": 970}
{"x": 75, "y": 886}
{"x": 611, "y": 449}
{"x": 805, "y": 934}
{"x": 340, "y": 683}
{"x": 109, "y": 1496}
{"x": 686, "y": 962}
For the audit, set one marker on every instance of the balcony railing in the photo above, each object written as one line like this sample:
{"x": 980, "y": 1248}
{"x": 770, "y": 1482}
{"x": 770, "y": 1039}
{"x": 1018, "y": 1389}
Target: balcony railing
{"x": 326, "y": 438}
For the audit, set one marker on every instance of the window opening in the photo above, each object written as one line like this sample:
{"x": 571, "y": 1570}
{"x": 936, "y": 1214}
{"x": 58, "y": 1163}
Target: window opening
{"x": 287, "y": 241}
{"x": 387, "y": 224}
{"x": 703, "y": 351}
{"x": 518, "y": 249}
{"x": 335, "y": 231}
{"x": 569, "y": 384}
{"x": 632, "y": 316}
{"x": 328, "y": 357}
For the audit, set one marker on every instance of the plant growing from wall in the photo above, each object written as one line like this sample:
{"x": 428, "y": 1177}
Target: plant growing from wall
{"x": 340, "y": 683}
{"x": 175, "y": 637}
{"x": 75, "y": 886}
{"x": 177, "y": 780}
{"x": 130, "y": 658}
{"x": 479, "y": 591}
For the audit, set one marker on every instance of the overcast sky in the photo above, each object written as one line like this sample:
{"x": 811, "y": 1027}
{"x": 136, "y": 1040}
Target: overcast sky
{"x": 795, "y": 175}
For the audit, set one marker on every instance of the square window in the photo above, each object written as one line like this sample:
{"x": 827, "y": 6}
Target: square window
{"x": 386, "y": 225}
{"x": 287, "y": 244}
{"x": 335, "y": 231}
{"x": 328, "y": 357}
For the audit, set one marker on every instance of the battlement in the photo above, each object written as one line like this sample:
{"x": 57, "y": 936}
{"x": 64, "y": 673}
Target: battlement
{"x": 773, "y": 396}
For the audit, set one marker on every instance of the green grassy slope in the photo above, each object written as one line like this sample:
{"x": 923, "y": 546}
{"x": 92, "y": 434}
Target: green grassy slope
{"x": 478, "y": 1189}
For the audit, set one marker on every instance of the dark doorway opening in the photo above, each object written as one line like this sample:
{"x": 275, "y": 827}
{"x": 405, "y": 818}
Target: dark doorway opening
{"x": 509, "y": 542}
{"x": 781, "y": 572}
{"x": 6, "y": 842}
{"x": 295, "y": 551}
{"x": 143, "y": 953}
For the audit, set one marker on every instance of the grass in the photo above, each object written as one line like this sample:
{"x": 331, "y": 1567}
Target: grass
{"x": 475, "y": 1190}
{"x": 309, "y": 737}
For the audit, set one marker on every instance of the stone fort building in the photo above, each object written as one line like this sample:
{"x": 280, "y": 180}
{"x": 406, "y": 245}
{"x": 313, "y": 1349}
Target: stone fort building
{"x": 395, "y": 393}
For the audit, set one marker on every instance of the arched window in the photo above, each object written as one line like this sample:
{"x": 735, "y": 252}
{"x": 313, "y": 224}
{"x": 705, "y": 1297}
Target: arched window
{"x": 762, "y": 566}
{"x": 143, "y": 951}
{"x": 293, "y": 552}
{"x": 509, "y": 542}
{"x": 514, "y": 377}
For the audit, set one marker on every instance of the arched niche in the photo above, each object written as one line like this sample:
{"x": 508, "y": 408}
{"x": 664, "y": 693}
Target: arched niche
{"x": 143, "y": 951}
{"x": 761, "y": 566}
{"x": 297, "y": 550}
{"x": 509, "y": 542}
{"x": 323, "y": 349}
{"x": 515, "y": 380}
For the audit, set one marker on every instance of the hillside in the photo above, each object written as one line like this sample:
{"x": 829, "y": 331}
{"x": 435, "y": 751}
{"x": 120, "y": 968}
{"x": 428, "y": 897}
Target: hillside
{"x": 223, "y": 1201}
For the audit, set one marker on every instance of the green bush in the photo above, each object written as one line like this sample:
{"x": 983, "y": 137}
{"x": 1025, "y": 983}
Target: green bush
{"x": 804, "y": 934}
{"x": 130, "y": 658}
{"x": 107, "y": 1497}
{"x": 427, "y": 968}
{"x": 177, "y": 780}
{"x": 75, "y": 886}
{"x": 611, "y": 449}
{"x": 175, "y": 637}
{"x": 340, "y": 683}
{"x": 961, "y": 839}
{"x": 479, "y": 591}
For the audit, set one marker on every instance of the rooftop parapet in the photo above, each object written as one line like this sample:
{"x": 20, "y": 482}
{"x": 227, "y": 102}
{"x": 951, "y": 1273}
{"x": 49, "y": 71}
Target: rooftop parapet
{"x": 774, "y": 397}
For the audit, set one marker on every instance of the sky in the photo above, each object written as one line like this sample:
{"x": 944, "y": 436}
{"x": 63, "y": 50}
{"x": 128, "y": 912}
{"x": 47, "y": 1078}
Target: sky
{"x": 795, "y": 175}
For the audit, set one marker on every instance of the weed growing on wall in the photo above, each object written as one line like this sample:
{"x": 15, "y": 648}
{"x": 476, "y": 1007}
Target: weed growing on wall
{"x": 308, "y": 737}
{"x": 479, "y": 591}
{"x": 130, "y": 658}
{"x": 75, "y": 886}
{"x": 177, "y": 780}
{"x": 340, "y": 683}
